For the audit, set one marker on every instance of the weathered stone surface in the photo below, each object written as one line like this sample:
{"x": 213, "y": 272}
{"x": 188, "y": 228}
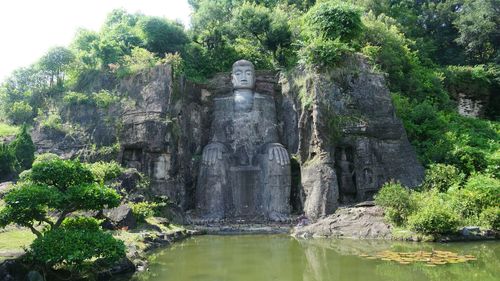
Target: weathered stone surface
{"x": 121, "y": 216}
{"x": 339, "y": 125}
{"x": 345, "y": 118}
{"x": 245, "y": 171}
{"x": 357, "y": 222}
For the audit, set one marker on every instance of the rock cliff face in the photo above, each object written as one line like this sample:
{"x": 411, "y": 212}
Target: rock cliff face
{"x": 340, "y": 126}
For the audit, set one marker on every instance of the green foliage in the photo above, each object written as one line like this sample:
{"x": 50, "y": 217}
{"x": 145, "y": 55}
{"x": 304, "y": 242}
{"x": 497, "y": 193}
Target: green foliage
{"x": 8, "y": 130}
{"x": 442, "y": 177}
{"x": 490, "y": 218}
{"x": 105, "y": 171}
{"x": 45, "y": 157}
{"x": 324, "y": 53}
{"x": 7, "y": 160}
{"x": 104, "y": 98}
{"x": 61, "y": 173}
{"x": 478, "y": 26}
{"x": 162, "y": 36}
{"x": 434, "y": 217}
{"x": 77, "y": 245}
{"x": 144, "y": 210}
{"x": 397, "y": 202}
{"x": 74, "y": 98}
{"x": 54, "y": 63}
{"x": 52, "y": 121}
{"x": 335, "y": 20}
{"x": 20, "y": 112}
{"x": 478, "y": 193}
{"x": 469, "y": 80}
{"x": 138, "y": 60}
{"x": 23, "y": 148}
{"x": 442, "y": 136}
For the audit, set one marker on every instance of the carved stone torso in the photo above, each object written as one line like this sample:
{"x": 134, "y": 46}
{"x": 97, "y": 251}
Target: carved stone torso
{"x": 245, "y": 131}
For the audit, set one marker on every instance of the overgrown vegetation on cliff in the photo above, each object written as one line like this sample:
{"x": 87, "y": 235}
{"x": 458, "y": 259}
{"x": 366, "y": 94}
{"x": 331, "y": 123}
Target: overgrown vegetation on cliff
{"x": 433, "y": 52}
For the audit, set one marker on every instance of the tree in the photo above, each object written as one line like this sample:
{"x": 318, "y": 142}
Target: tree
{"x": 478, "y": 24}
{"x": 162, "y": 36}
{"x": 20, "y": 112}
{"x": 54, "y": 64}
{"x": 62, "y": 186}
{"x": 7, "y": 161}
{"x": 23, "y": 148}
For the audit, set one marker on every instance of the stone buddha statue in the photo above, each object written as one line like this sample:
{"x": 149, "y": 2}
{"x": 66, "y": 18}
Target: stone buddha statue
{"x": 245, "y": 171}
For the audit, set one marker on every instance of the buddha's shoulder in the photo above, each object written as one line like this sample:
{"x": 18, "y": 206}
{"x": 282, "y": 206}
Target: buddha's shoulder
{"x": 263, "y": 97}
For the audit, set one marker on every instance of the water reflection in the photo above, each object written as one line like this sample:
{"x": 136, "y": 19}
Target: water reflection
{"x": 281, "y": 258}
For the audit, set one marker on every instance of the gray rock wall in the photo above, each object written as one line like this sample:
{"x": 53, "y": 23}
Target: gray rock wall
{"x": 339, "y": 125}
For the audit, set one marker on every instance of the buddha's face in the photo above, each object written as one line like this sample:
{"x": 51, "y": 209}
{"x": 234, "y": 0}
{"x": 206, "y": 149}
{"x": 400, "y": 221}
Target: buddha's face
{"x": 243, "y": 77}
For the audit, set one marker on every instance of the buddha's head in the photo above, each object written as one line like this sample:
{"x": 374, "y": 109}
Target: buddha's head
{"x": 243, "y": 75}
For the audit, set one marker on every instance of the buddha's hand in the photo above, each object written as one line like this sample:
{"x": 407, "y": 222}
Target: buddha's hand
{"x": 213, "y": 153}
{"x": 277, "y": 152}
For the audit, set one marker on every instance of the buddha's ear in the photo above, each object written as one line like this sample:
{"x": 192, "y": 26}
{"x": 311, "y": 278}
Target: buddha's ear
{"x": 233, "y": 78}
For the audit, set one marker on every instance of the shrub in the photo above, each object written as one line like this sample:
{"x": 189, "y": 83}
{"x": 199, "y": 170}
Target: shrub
{"x": 74, "y": 98}
{"x": 335, "y": 19}
{"x": 45, "y": 157}
{"x": 23, "y": 148}
{"x": 8, "y": 130}
{"x": 490, "y": 218}
{"x": 469, "y": 80}
{"x": 76, "y": 245}
{"x": 53, "y": 121}
{"x": 143, "y": 210}
{"x": 7, "y": 160}
{"x": 481, "y": 191}
{"x": 20, "y": 112}
{"x": 105, "y": 171}
{"x": 104, "y": 99}
{"x": 397, "y": 202}
{"x": 138, "y": 60}
{"x": 441, "y": 177}
{"x": 323, "y": 53}
{"x": 434, "y": 218}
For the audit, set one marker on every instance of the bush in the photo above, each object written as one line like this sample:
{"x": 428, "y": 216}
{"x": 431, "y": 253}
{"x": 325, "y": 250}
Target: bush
{"x": 441, "y": 177}
{"x": 434, "y": 218}
{"x": 104, "y": 99}
{"x": 144, "y": 210}
{"x": 138, "y": 60}
{"x": 74, "y": 98}
{"x": 53, "y": 121}
{"x": 76, "y": 245}
{"x": 479, "y": 193}
{"x": 490, "y": 218}
{"x": 7, "y": 160}
{"x": 324, "y": 53}
{"x": 397, "y": 202}
{"x": 23, "y": 148}
{"x": 20, "y": 112}
{"x": 45, "y": 157}
{"x": 105, "y": 171}
{"x": 335, "y": 20}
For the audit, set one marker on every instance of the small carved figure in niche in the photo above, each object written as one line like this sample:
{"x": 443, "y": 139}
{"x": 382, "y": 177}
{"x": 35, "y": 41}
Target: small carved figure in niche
{"x": 347, "y": 185}
{"x": 245, "y": 170}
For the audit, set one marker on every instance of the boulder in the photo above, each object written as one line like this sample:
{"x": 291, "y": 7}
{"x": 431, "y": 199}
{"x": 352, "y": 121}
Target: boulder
{"x": 120, "y": 217}
{"x": 355, "y": 222}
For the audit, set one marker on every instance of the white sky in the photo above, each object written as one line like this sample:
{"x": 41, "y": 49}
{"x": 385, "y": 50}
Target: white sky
{"x": 28, "y": 28}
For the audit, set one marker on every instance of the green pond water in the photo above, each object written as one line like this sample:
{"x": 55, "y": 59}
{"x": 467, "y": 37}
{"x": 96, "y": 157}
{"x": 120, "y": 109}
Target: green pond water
{"x": 282, "y": 258}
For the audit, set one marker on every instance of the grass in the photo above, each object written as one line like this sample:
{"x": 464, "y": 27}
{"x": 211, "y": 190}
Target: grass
{"x": 14, "y": 240}
{"x": 7, "y": 130}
